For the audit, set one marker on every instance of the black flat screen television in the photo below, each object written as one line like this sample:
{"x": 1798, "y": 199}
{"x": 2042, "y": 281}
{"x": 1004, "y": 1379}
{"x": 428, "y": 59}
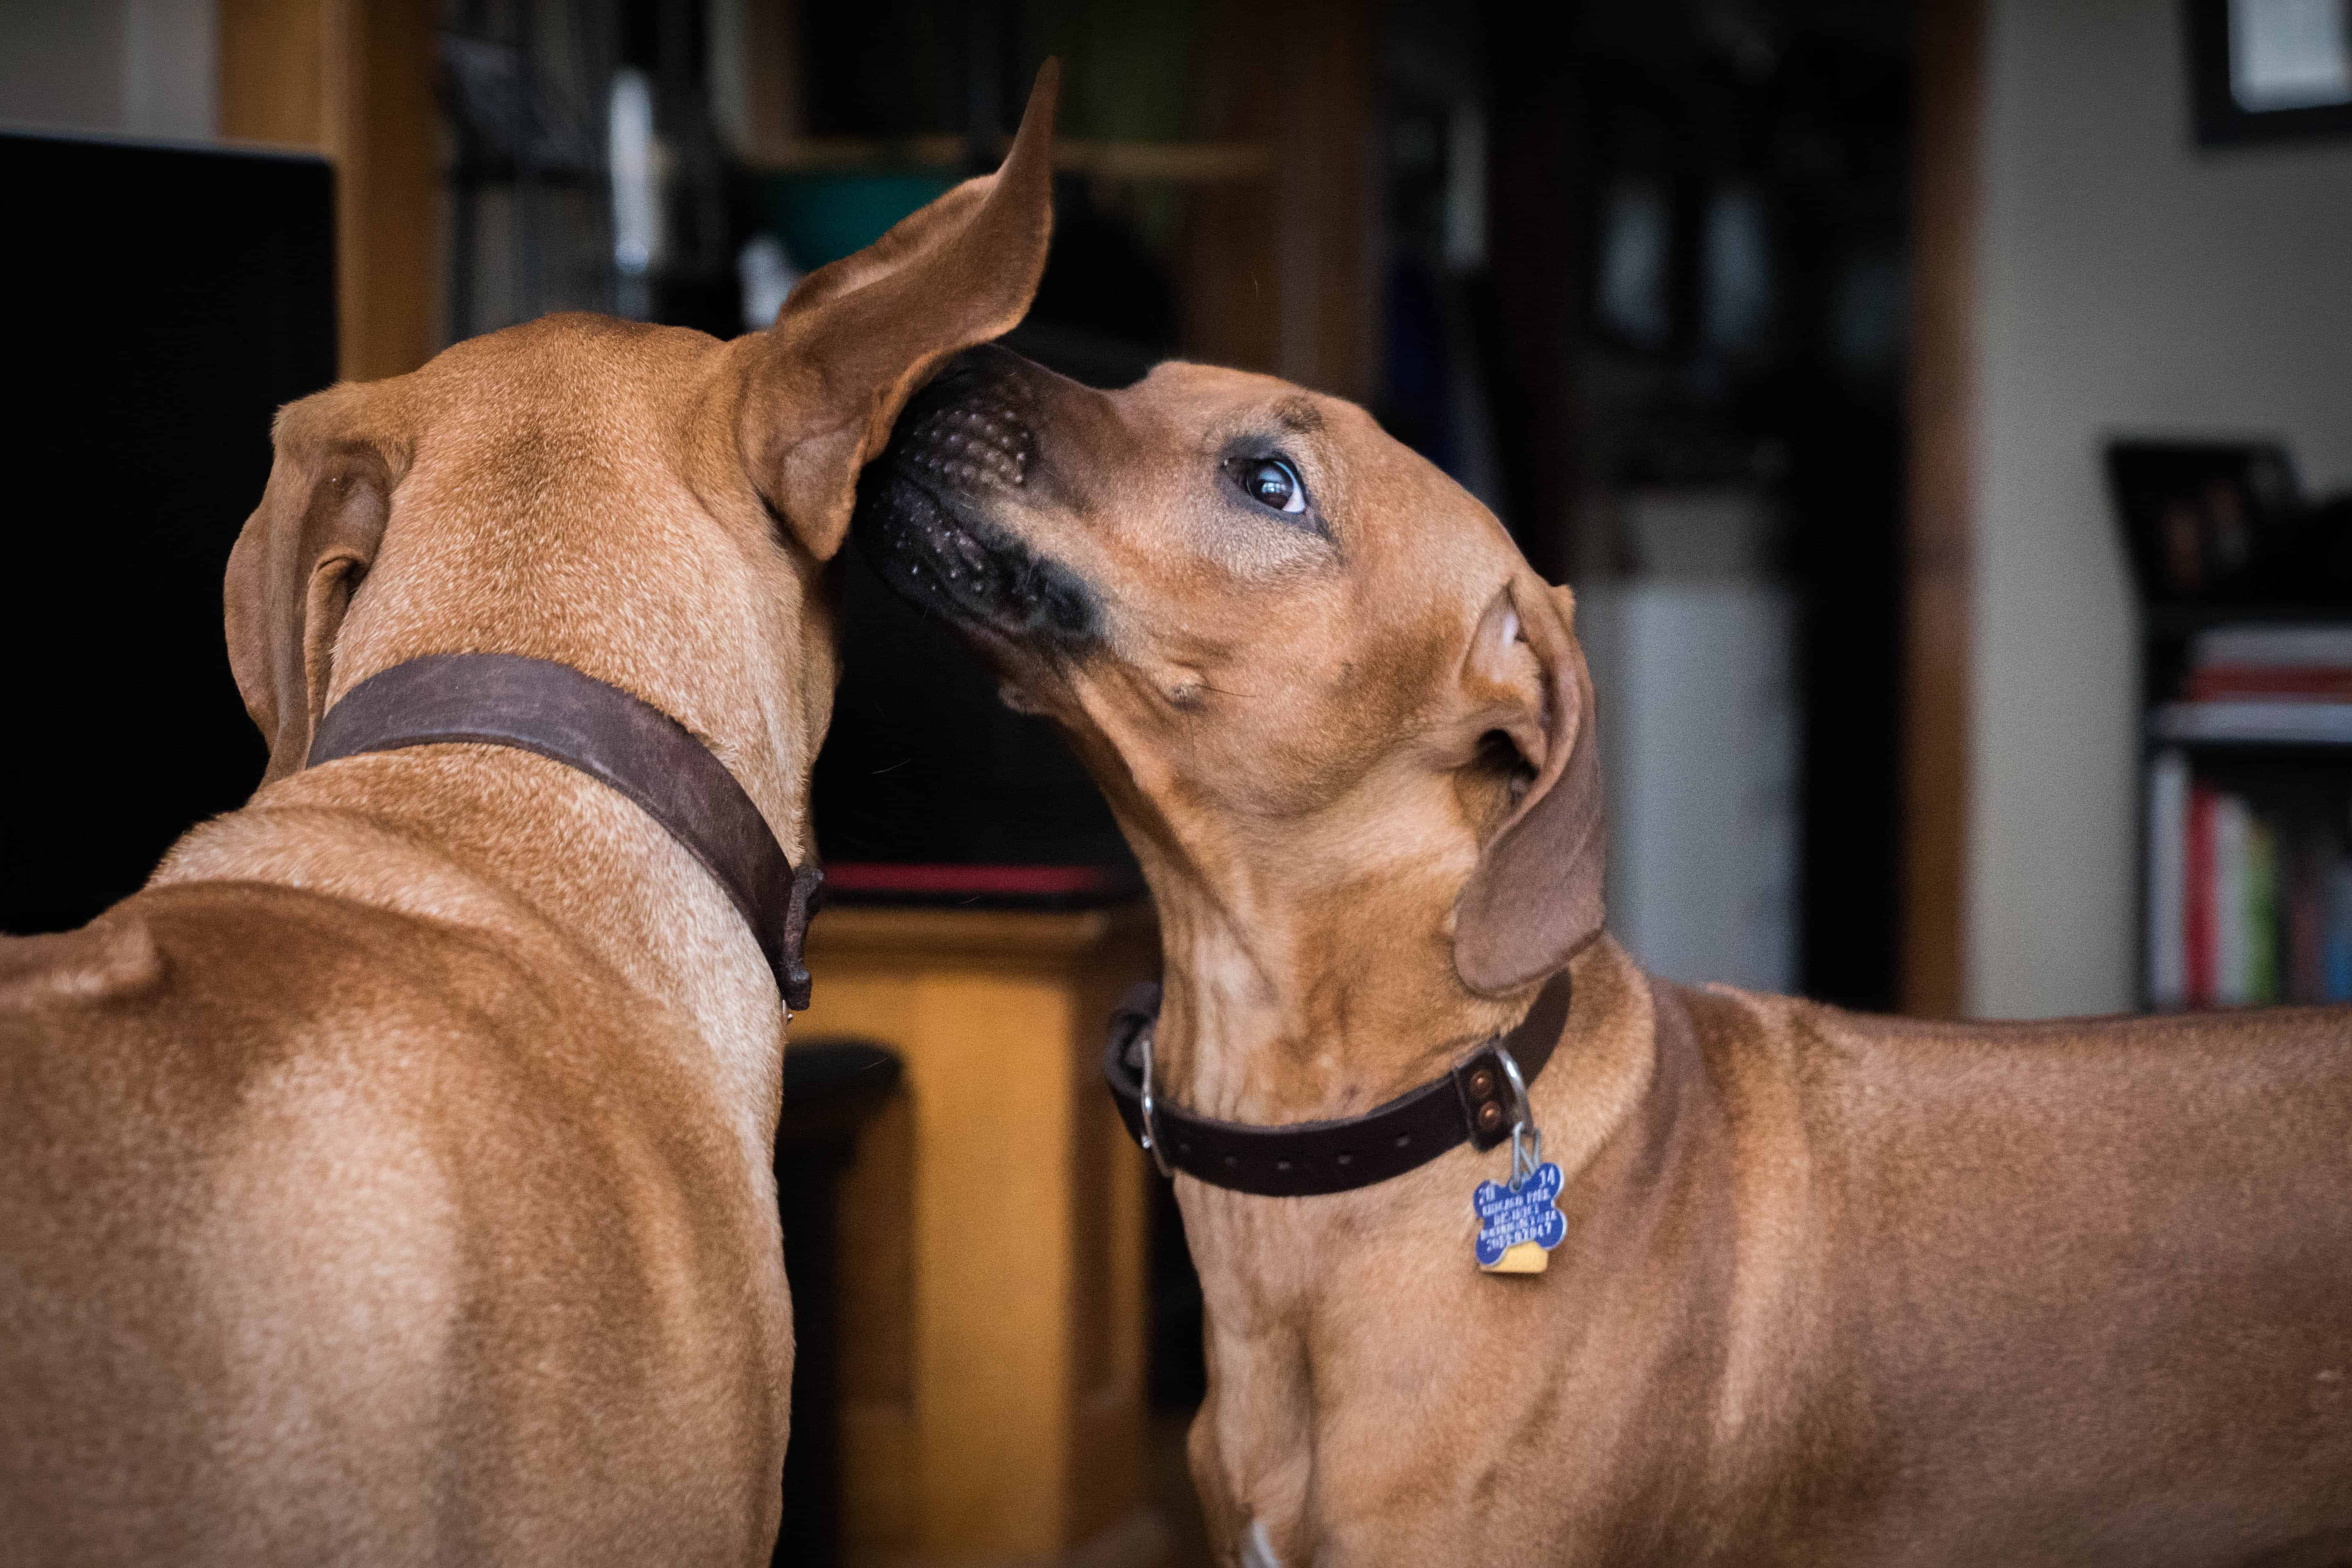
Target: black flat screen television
{"x": 163, "y": 302}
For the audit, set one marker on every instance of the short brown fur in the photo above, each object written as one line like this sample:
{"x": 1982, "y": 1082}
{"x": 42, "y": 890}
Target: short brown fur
{"x": 390, "y": 1181}
{"x": 1835, "y": 1288}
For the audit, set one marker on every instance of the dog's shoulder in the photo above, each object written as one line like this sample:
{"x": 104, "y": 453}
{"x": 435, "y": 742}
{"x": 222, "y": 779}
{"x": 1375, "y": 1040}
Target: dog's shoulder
{"x": 180, "y": 1007}
{"x": 262, "y": 1057}
{"x": 109, "y": 959}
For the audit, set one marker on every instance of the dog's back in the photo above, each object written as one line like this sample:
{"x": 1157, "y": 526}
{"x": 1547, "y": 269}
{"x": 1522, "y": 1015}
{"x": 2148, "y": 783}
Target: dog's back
{"x": 392, "y": 1181}
{"x": 220, "y": 1106}
{"x": 2091, "y": 1280}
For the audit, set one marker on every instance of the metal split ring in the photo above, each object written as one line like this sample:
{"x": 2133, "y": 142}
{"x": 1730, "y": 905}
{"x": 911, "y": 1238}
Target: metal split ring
{"x": 1523, "y": 1131}
{"x": 1150, "y": 1126}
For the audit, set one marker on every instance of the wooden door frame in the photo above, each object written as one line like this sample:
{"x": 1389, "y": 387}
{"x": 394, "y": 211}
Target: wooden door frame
{"x": 353, "y": 79}
{"x": 1948, "y": 95}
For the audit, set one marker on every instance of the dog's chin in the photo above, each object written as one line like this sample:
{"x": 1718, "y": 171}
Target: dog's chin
{"x": 939, "y": 552}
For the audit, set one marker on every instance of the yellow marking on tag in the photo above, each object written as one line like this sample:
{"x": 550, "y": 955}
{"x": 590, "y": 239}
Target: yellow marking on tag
{"x": 1527, "y": 1257}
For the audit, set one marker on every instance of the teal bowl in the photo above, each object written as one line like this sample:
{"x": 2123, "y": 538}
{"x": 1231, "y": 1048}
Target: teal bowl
{"x": 822, "y": 217}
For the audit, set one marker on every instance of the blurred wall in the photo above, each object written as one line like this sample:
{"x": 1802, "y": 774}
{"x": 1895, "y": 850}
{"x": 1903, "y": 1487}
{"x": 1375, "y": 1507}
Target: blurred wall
{"x": 143, "y": 67}
{"x": 2129, "y": 282}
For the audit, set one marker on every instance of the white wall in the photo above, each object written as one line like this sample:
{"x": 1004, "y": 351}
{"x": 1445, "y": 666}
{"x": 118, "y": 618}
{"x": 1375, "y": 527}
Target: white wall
{"x": 142, "y": 68}
{"x": 2129, "y": 282}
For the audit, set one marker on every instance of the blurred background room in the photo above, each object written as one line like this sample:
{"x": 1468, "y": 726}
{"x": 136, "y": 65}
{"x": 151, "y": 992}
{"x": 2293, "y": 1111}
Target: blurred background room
{"x": 1942, "y": 410}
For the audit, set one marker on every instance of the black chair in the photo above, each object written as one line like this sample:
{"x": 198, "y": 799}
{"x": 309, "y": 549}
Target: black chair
{"x": 833, "y": 1087}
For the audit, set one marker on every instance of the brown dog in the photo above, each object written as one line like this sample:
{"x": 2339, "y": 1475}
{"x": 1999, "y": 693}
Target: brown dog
{"x": 390, "y": 1181}
{"x": 1833, "y": 1288}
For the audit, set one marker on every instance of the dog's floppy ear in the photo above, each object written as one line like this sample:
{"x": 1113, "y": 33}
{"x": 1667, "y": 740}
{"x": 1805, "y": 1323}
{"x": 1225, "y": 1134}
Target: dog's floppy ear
{"x": 1535, "y": 899}
{"x": 292, "y": 575}
{"x": 857, "y": 338}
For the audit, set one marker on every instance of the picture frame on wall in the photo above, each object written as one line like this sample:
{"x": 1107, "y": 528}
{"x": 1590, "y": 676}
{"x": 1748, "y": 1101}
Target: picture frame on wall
{"x": 2265, "y": 71}
{"x": 2203, "y": 521}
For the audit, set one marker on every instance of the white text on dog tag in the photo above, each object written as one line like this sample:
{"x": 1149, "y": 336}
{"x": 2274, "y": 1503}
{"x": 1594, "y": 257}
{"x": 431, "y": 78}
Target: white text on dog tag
{"x": 1518, "y": 1230}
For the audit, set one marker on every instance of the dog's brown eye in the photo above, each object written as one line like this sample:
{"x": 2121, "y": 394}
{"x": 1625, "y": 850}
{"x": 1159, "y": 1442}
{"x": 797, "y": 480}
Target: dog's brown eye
{"x": 1272, "y": 482}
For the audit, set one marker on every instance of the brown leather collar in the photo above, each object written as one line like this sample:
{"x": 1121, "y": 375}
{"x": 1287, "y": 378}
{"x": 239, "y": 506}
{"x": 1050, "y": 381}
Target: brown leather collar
{"x": 536, "y": 705}
{"x": 1471, "y": 1103}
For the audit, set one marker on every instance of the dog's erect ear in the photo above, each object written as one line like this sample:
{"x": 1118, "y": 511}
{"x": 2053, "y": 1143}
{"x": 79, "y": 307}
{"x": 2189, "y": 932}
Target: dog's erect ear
{"x": 1534, "y": 901}
{"x": 291, "y": 579}
{"x": 857, "y": 338}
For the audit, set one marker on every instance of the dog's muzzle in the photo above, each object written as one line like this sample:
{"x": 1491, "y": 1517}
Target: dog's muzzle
{"x": 966, "y": 442}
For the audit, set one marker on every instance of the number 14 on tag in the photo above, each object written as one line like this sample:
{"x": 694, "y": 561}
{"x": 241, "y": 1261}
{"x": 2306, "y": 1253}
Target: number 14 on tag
{"x": 1518, "y": 1230}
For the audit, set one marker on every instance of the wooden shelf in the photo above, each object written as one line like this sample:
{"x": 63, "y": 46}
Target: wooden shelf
{"x": 861, "y": 934}
{"x": 1171, "y": 162}
{"x": 2182, "y": 620}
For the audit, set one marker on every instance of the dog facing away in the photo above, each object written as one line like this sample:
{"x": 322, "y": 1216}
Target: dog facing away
{"x": 1833, "y": 1288}
{"x": 391, "y": 1180}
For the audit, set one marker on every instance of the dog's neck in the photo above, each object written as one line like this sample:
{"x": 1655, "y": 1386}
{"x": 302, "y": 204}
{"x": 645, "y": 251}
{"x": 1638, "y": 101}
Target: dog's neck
{"x": 1289, "y": 998}
{"x": 1305, "y": 1296}
{"x": 548, "y": 858}
{"x": 658, "y": 575}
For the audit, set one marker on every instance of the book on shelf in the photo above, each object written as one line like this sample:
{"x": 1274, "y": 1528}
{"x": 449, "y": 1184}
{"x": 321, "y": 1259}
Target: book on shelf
{"x": 2335, "y": 937}
{"x": 2283, "y": 684}
{"x": 2254, "y": 655}
{"x": 2277, "y": 722}
{"x": 2249, "y": 901}
{"x": 2168, "y": 880}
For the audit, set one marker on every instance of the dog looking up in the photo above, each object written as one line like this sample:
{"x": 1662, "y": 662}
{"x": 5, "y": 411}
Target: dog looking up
{"x": 390, "y": 1181}
{"x": 1825, "y": 1287}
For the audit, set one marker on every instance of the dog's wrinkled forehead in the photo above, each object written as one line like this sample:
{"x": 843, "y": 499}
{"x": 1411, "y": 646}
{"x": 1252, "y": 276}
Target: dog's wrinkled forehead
{"x": 1310, "y": 489}
{"x": 1197, "y": 513}
{"x": 1353, "y": 480}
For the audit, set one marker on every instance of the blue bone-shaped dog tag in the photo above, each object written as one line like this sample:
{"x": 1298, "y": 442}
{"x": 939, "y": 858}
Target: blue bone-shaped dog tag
{"x": 1507, "y": 1219}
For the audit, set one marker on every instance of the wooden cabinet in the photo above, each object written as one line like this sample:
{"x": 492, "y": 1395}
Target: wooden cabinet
{"x": 993, "y": 1226}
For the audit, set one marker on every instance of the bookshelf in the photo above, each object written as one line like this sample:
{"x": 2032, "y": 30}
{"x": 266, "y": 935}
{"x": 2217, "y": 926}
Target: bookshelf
{"x": 2246, "y": 806}
{"x": 2246, "y": 725}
